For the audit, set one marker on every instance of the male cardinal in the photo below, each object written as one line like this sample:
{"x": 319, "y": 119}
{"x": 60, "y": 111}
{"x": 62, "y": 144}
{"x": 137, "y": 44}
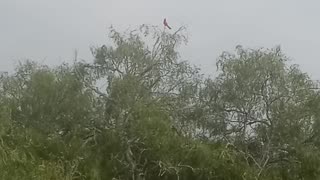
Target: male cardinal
{"x": 166, "y": 24}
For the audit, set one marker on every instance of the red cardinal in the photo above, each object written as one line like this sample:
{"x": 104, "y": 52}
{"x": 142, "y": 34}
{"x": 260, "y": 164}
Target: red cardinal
{"x": 166, "y": 24}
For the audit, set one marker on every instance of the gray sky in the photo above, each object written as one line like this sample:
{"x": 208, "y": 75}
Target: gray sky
{"x": 50, "y": 31}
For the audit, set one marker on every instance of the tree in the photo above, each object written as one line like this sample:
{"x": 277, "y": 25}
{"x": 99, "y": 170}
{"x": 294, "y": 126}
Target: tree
{"x": 139, "y": 112}
{"x": 266, "y": 104}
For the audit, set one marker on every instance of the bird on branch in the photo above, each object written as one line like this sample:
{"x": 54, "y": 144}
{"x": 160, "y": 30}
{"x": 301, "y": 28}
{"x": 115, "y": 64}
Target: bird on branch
{"x": 165, "y": 23}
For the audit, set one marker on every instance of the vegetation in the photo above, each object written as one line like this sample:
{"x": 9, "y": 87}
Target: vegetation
{"x": 138, "y": 112}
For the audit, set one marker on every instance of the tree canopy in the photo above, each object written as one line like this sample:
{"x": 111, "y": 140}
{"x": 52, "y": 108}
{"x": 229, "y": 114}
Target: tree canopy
{"x": 138, "y": 112}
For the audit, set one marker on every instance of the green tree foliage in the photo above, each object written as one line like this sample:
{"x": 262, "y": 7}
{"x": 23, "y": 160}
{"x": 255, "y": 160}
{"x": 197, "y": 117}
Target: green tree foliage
{"x": 138, "y": 112}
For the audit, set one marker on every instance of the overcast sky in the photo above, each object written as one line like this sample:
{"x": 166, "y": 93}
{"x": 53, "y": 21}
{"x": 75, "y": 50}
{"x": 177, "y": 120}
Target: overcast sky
{"x": 49, "y": 31}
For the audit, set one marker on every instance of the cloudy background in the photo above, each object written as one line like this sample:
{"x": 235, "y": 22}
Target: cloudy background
{"x": 49, "y": 31}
